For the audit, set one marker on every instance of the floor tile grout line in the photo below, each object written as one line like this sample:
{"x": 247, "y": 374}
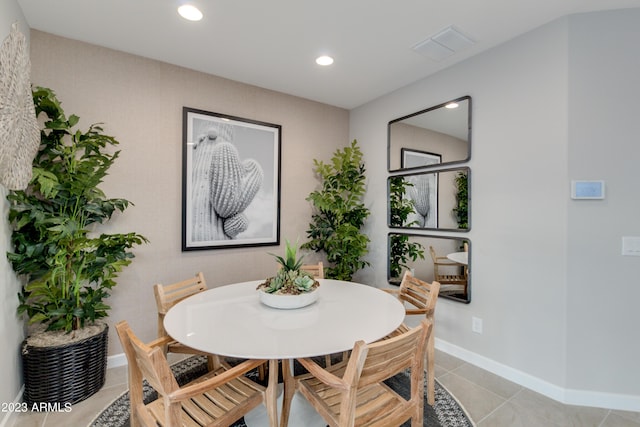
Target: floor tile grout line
{"x": 605, "y": 418}
{"x": 492, "y": 412}
{"x": 540, "y": 414}
{"x": 520, "y": 388}
{"x": 563, "y": 406}
{"x": 503, "y": 399}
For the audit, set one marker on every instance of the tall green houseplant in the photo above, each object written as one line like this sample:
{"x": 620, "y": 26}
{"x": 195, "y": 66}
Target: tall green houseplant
{"x": 70, "y": 268}
{"x": 461, "y": 211}
{"x": 339, "y": 213}
{"x": 401, "y": 248}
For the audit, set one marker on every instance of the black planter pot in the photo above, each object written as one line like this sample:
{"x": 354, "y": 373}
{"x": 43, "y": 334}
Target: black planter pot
{"x": 64, "y": 374}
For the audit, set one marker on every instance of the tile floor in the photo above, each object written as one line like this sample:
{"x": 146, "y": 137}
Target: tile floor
{"x": 490, "y": 401}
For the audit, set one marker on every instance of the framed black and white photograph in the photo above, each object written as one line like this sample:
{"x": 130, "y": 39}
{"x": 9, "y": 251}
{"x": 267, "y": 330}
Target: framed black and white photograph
{"x": 423, "y": 193}
{"x": 230, "y": 181}
{"x": 415, "y": 158}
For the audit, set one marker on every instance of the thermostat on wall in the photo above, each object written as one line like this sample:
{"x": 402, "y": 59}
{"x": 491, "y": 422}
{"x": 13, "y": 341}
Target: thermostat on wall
{"x": 587, "y": 189}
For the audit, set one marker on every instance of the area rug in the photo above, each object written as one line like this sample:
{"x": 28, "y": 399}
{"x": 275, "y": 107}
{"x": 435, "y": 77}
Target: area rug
{"x": 446, "y": 412}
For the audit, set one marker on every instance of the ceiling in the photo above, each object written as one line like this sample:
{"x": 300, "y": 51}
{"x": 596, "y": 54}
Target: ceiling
{"x": 273, "y": 43}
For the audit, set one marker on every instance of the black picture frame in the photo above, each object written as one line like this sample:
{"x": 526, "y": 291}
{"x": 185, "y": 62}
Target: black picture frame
{"x": 230, "y": 181}
{"x": 411, "y": 159}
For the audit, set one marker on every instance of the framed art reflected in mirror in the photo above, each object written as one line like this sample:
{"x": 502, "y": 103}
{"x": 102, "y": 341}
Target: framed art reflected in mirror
{"x": 430, "y": 200}
{"x": 443, "y": 259}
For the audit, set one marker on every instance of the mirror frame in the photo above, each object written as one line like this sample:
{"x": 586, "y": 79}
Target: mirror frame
{"x": 425, "y": 172}
{"x": 468, "y": 157}
{"x": 427, "y": 258}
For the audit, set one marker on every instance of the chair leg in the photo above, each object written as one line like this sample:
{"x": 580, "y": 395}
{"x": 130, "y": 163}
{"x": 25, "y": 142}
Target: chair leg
{"x": 289, "y": 390}
{"x": 417, "y": 420}
{"x": 211, "y": 363}
{"x": 431, "y": 377}
{"x": 262, "y": 371}
{"x": 272, "y": 393}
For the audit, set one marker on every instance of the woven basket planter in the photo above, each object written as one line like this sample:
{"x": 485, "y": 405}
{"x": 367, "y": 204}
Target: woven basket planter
{"x": 67, "y": 373}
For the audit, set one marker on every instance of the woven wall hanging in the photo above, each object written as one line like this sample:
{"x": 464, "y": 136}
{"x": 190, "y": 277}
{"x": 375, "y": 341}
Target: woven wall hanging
{"x": 19, "y": 133}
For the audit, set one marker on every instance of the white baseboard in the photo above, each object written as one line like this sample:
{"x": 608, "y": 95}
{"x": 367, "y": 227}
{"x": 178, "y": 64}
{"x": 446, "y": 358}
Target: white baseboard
{"x": 553, "y": 391}
{"x": 624, "y": 402}
{"x": 115, "y": 361}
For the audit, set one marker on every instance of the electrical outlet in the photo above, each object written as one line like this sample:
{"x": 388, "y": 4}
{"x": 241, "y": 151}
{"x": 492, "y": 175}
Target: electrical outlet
{"x": 476, "y": 325}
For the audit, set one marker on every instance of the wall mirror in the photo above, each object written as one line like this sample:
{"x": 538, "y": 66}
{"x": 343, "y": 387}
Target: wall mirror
{"x": 444, "y": 259}
{"x": 439, "y": 135}
{"x": 430, "y": 200}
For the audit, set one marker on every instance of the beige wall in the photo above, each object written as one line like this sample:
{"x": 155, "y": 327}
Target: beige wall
{"x": 140, "y": 102}
{"x": 450, "y": 148}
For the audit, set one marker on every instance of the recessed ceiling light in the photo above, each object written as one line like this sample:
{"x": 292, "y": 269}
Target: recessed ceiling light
{"x": 190, "y": 12}
{"x": 324, "y": 60}
{"x": 452, "y": 105}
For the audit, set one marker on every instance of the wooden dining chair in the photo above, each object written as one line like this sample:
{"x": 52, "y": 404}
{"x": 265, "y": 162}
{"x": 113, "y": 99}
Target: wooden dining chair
{"x": 169, "y": 295}
{"x": 451, "y": 275}
{"x": 316, "y": 270}
{"x": 352, "y": 392}
{"x": 419, "y": 298}
{"x": 218, "y": 398}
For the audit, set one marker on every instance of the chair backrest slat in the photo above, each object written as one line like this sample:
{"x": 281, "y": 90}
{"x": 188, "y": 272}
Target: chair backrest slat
{"x": 169, "y": 295}
{"x": 149, "y": 361}
{"x": 317, "y": 270}
{"x": 422, "y": 295}
{"x": 388, "y": 357}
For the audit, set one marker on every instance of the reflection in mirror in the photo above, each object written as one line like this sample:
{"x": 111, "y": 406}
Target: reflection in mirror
{"x": 429, "y": 258}
{"x": 430, "y": 200}
{"x": 437, "y": 135}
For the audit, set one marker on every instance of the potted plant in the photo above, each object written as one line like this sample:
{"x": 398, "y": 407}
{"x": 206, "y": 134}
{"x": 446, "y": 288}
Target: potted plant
{"x": 339, "y": 213}
{"x": 69, "y": 268}
{"x": 291, "y": 287}
{"x": 401, "y": 249}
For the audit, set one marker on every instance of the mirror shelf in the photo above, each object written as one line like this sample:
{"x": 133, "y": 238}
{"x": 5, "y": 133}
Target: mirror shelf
{"x": 429, "y": 258}
{"x": 437, "y": 200}
{"x": 434, "y": 136}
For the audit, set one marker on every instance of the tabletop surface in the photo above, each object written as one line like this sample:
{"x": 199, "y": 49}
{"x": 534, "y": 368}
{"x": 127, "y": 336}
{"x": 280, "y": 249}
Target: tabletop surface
{"x": 459, "y": 257}
{"x": 230, "y": 320}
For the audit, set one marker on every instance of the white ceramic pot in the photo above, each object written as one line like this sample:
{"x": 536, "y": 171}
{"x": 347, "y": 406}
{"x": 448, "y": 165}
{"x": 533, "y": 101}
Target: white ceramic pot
{"x": 288, "y": 301}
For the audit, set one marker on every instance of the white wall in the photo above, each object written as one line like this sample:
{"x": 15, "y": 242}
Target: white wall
{"x": 603, "y": 287}
{"x": 11, "y": 329}
{"x": 541, "y": 115}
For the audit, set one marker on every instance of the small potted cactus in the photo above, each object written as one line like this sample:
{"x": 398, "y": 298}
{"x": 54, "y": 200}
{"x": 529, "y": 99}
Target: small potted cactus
{"x": 291, "y": 287}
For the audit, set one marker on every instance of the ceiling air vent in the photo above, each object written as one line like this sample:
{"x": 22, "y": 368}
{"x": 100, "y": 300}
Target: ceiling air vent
{"x": 444, "y": 44}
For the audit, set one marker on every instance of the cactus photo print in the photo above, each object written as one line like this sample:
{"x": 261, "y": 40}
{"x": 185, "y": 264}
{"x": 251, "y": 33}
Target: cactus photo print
{"x": 230, "y": 181}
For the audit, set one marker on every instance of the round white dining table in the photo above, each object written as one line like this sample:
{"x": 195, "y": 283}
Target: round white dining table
{"x": 459, "y": 257}
{"x": 231, "y": 321}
